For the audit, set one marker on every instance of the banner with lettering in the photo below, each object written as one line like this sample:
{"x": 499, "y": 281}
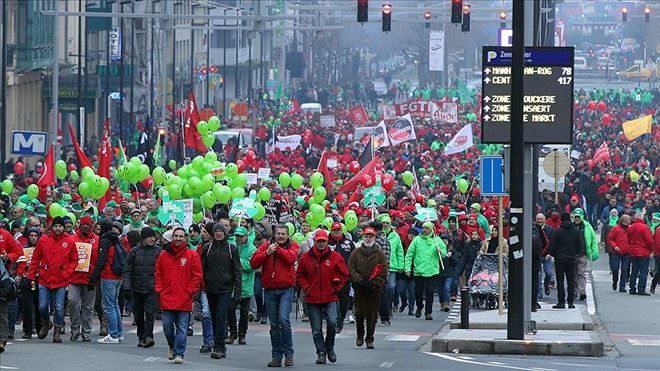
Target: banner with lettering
{"x": 379, "y": 136}
{"x": 283, "y": 142}
{"x": 416, "y": 108}
{"x": 445, "y": 112}
{"x": 402, "y": 130}
{"x": 84, "y": 256}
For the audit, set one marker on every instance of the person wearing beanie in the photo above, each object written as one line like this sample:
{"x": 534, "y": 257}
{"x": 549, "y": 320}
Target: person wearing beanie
{"x": 194, "y": 236}
{"x": 178, "y": 276}
{"x": 29, "y": 299}
{"x": 339, "y": 242}
{"x": 221, "y": 267}
{"x": 68, "y": 225}
{"x": 81, "y": 296}
{"x": 396, "y": 262}
{"x": 475, "y": 208}
{"x": 590, "y": 252}
{"x": 54, "y": 250}
{"x": 245, "y": 250}
{"x": 136, "y": 222}
{"x": 424, "y": 253}
{"x": 565, "y": 244}
{"x": 139, "y": 278}
{"x": 206, "y": 234}
{"x": 385, "y": 309}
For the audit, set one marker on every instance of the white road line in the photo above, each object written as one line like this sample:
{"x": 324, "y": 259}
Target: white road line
{"x": 647, "y": 343}
{"x": 574, "y": 365}
{"x": 8, "y": 367}
{"x": 591, "y": 302}
{"x": 402, "y": 338}
{"x": 19, "y": 340}
{"x": 466, "y": 357}
{"x": 456, "y": 359}
{"x": 151, "y": 359}
{"x": 386, "y": 365}
{"x": 498, "y": 363}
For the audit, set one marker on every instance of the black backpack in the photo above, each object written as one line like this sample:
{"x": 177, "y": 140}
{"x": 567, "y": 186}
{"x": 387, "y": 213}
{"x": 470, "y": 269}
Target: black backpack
{"x": 118, "y": 262}
{"x": 8, "y": 289}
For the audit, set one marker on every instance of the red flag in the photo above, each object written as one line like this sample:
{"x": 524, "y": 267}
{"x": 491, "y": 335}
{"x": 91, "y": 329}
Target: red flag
{"x": 48, "y": 176}
{"x": 602, "y": 154}
{"x": 294, "y": 109}
{"x": 82, "y": 158}
{"x": 105, "y": 157}
{"x": 117, "y": 199}
{"x": 369, "y": 169}
{"x": 323, "y": 169}
{"x": 359, "y": 115}
{"x": 191, "y": 118}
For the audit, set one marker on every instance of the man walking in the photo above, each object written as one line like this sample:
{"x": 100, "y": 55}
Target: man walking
{"x": 245, "y": 250}
{"x": 178, "y": 276}
{"x": 82, "y": 296}
{"x": 340, "y": 243}
{"x": 321, "y": 275}
{"x": 564, "y": 246}
{"x": 277, "y": 257}
{"x": 590, "y": 251}
{"x": 640, "y": 241}
{"x": 617, "y": 241}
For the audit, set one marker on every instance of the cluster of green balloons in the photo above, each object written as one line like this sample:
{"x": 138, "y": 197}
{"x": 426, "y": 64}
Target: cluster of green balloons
{"x": 55, "y": 210}
{"x": 295, "y": 181}
{"x": 133, "y": 171}
{"x": 207, "y": 129}
{"x": 92, "y": 185}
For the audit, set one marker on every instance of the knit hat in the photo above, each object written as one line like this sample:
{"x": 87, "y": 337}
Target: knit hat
{"x": 241, "y": 231}
{"x": 429, "y": 225}
{"x": 147, "y": 232}
{"x": 209, "y": 227}
{"x": 194, "y": 227}
{"x": 578, "y": 212}
{"x": 476, "y": 206}
{"x": 58, "y": 220}
{"x": 219, "y": 227}
{"x": 118, "y": 225}
{"x": 86, "y": 220}
{"x": 565, "y": 217}
{"x": 167, "y": 236}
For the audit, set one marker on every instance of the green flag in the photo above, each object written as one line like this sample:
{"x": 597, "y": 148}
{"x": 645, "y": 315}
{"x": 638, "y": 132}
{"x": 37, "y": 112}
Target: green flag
{"x": 157, "y": 159}
{"x": 123, "y": 184}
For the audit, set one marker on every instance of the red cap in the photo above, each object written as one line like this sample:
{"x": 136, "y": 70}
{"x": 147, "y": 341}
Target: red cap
{"x": 336, "y": 225}
{"x": 321, "y": 235}
{"x": 86, "y": 220}
{"x": 369, "y": 231}
{"x": 575, "y": 198}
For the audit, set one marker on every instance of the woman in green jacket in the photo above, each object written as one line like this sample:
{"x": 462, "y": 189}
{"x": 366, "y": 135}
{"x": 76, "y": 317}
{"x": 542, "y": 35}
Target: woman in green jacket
{"x": 424, "y": 254}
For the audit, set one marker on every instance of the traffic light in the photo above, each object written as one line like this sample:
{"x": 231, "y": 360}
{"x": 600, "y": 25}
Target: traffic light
{"x": 624, "y": 14}
{"x": 363, "y": 11}
{"x": 387, "y": 17}
{"x": 503, "y": 19}
{"x": 647, "y": 14}
{"x": 456, "y": 9}
{"x": 465, "y": 26}
{"x": 427, "y": 16}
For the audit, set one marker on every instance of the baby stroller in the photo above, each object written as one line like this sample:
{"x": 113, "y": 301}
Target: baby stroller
{"x": 484, "y": 281}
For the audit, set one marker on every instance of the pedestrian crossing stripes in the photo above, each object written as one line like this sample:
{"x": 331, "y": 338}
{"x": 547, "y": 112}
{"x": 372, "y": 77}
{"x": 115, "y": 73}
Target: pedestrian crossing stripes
{"x": 647, "y": 343}
{"x": 402, "y": 338}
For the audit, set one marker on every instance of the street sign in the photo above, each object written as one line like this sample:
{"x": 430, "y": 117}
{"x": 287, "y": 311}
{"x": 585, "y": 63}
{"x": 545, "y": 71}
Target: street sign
{"x": 492, "y": 176}
{"x": 548, "y": 98}
{"x": 29, "y": 143}
{"x": 505, "y": 37}
{"x": 556, "y": 164}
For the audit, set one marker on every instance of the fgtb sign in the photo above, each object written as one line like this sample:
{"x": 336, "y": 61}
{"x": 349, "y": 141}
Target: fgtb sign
{"x": 29, "y": 143}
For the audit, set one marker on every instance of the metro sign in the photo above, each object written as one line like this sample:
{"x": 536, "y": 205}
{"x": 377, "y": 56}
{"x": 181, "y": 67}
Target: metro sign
{"x": 29, "y": 143}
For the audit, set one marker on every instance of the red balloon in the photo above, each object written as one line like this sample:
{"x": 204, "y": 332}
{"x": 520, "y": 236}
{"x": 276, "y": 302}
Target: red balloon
{"x": 602, "y": 106}
{"x": 607, "y": 118}
{"x": 387, "y": 182}
{"x": 591, "y": 105}
{"x": 72, "y": 167}
{"x": 367, "y": 181}
{"x": 148, "y": 182}
{"x": 354, "y": 167}
{"x": 241, "y": 165}
{"x": 19, "y": 168}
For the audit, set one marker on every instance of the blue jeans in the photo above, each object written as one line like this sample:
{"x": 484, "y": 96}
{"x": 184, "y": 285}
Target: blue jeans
{"x": 620, "y": 262}
{"x": 406, "y": 288}
{"x": 279, "y": 303}
{"x": 640, "y": 267}
{"x": 207, "y": 324}
{"x": 444, "y": 288}
{"x": 391, "y": 289}
{"x": 545, "y": 276}
{"x": 460, "y": 267}
{"x": 316, "y": 313}
{"x": 56, "y": 296}
{"x": 12, "y": 314}
{"x": 110, "y": 290}
{"x": 175, "y": 325}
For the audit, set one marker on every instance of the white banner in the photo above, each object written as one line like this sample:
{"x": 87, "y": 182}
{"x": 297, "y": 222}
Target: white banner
{"x": 327, "y": 121}
{"x": 292, "y": 142}
{"x": 445, "y": 113}
{"x": 389, "y": 111}
{"x": 437, "y": 51}
{"x": 379, "y": 136}
{"x": 402, "y": 130}
{"x": 461, "y": 141}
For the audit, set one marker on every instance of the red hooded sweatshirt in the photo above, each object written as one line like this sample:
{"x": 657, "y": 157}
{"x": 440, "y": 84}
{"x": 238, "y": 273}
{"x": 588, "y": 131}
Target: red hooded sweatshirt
{"x": 9, "y": 246}
{"x": 54, "y": 259}
{"x": 178, "y": 276}
{"x": 321, "y": 275}
{"x": 278, "y": 269}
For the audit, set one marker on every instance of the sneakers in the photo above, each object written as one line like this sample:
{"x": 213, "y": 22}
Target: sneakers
{"x": 86, "y": 338}
{"x": 140, "y": 343}
{"x": 288, "y": 361}
{"x": 320, "y": 360}
{"x": 332, "y": 357}
{"x": 275, "y": 363}
{"x": 428, "y": 317}
{"x": 370, "y": 345}
{"x": 190, "y": 332}
{"x": 351, "y": 319}
{"x": 230, "y": 340}
{"x": 170, "y": 354}
{"x": 453, "y": 297}
{"x": 178, "y": 360}
{"x": 108, "y": 340}
{"x": 251, "y": 316}
{"x": 149, "y": 342}
{"x": 74, "y": 337}
{"x": 216, "y": 354}
{"x": 205, "y": 349}
{"x": 418, "y": 313}
{"x": 385, "y": 323}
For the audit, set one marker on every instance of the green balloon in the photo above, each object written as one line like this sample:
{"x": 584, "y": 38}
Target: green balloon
{"x": 73, "y": 175}
{"x": 172, "y": 164}
{"x": 7, "y": 186}
{"x": 158, "y": 174}
{"x": 174, "y": 191}
{"x": 72, "y": 217}
{"x": 224, "y": 194}
{"x": 55, "y": 210}
{"x": 292, "y": 228}
{"x": 240, "y": 180}
{"x": 231, "y": 169}
{"x": 198, "y": 163}
{"x": 197, "y": 205}
{"x": 87, "y": 171}
{"x": 408, "y": 178}
{"x": 105, "y": 185}
{"x": 143, "y": 172}
{"x": 208, "y": 199}
{"x": 208, "y": 139}
{"x": 296, "y": 181}
{"x": 207, "y": 182}
{"x": 169, "y": 179}
{"x": 261, "y": 211}
{"x": 264, "y": 195}
{"x": 316, "y": 179}
{"x": 84, "y": 190}
{"x": 60, "y": 169}
{"x": 462, "y": 185}
{"x": 238, "y": 192}
{"x": 351, "y": 221}
{"x": 319, "y": 194}
{"x": 310, "y": 219}
{"x": 195, "y": 185}
{"x": 202, "y": 127}
{"x": 327, "y": 222}
{"x": 135, "y": 161}
{"x": 32, "y": 191}
{"x": 318, "y": 211}
{"x": 284, "y": 179}
{"x": 214, "y": 123}
{"x": 211, "y": 157}
{"x": 298, "y": 237}
{"x": 131, "y": 171}
{"x": 198, "y": 217}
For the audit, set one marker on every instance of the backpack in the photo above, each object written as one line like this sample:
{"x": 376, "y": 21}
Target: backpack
{"x": 8, "y": 289}
{"x": 118, "y": 262}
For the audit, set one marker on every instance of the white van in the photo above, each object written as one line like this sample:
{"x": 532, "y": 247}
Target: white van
{"x": 245, "y": 138}
{"x": 311, "y": 107}
{"x": 580, "y": 63}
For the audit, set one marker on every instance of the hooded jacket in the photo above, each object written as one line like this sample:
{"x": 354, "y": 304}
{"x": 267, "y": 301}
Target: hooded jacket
{"x": 344, "y": 246}
{"x": 321, "y": 275}
{"x": 640, "y": 239}
{"x": 247, "y": 273}
{"x": 656, "y": 241}
{"x": 278, "y": 269}
{"x": 396, "y": 250}
{"x": 54, "y": 259}
{"x": 178, "y": 276}
{"x": 590, "y": 240}
{"x": 565, "y": 242}
{"x": 141, "y": 269}
{"x": 425, "y": 253}
{"x": 221, "y": 266}
{"x": 9, "y": 246}
{"x": 107, "y": 243}
{"x": 618, "y": 237}
{"x": 81, "y": 277}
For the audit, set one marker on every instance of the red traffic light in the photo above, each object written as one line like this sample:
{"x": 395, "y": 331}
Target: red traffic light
{"x": 427, "y": 14}
{"x": 502, "y": 15}
{"x": 387, "y": 8}
{"x": 466, "y": 9}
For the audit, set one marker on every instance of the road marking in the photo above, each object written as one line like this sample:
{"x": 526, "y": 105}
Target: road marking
{"x": 498, "y": 363}
{"x": 591, "y": 303}
{"x": 402, "y": 338}
{"x": 574, "y": 364}
{"x": 457, "y": 359}
{"x": 386, "y": 365}
{"x": 151, "y": 359}
{"x": 647, "y": 343}
{"x": 8, "y": 367}
{"x": 466, "y": 357}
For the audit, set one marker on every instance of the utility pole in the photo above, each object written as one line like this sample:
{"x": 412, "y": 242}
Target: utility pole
{"x": 80, "y": 113}
{"x": 121, "y": 73}
{"x": 3, "y": 91}
{"x": 131, "y": 121}
{"x": 55, "y": 92}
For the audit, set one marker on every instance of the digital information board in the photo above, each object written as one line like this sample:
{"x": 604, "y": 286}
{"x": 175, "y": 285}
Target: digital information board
{"x": 548, "y": 98}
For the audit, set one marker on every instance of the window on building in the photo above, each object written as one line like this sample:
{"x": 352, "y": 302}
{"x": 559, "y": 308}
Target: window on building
{"x": 22, "y": 22}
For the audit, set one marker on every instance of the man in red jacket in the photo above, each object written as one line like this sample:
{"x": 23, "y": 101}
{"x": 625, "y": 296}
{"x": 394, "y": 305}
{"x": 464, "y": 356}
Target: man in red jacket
{"x": 322, "y": 273}
{"x": 178, "y": 276}
{"x": 277, "y": 258}
{"x": 10, "y": 253}
{"x": 617, "y": 240}
{"x": 640, "y": 241}
{"x": 82, "y": 296}
{"x": 54, "y": 259}
{"x": 655, "y": 220}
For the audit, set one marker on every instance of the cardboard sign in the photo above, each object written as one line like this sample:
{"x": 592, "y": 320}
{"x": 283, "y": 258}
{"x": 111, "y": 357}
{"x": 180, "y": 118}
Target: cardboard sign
{"x": 84, "y": 256}
{"x": 28, "y": 251}
{"x": 445, "y": 113}
{"x": 251, "y": 178}
{"x": 177, "y": 212}
{"x": 243, "y": 208}
{"x": 263, "y": 173}
{"x": 327, "y": 121}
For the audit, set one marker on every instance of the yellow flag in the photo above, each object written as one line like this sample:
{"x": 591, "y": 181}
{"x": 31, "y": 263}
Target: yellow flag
{"x": 635, "y": 128}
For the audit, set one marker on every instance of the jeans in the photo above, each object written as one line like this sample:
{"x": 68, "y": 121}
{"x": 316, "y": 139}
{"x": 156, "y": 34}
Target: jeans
{"x": 391, "y": 289}
{"x": 424, "y": 290}
{"x": 316, "y": 314}
{"x": 175, "y": 324}
{"x": 547, "y": 272}
{"x": 207, "y": 324}
{"x": 57, "y": 296}
{"x": 593, "y": 214}
{"x": 243, "y": 319}
{"x": 620, "y": 262}
{"x": 279, "y": 303}
{"x": 81, "y": 308}
{"x": 639, "y": 268}
{"x": 262, "y": 308}
{"x": 145, "y": 311}
{"x": 565, "y": 269}
{"x": 110, "y": 290}
{"x": 218, "y": 304}
{"x": 444, "y": 288}
{"x": 4, "y": 321}
{"x": 12, "y": 314}
{"x": 29, "y": 308}
{"x": 406, "y": 288}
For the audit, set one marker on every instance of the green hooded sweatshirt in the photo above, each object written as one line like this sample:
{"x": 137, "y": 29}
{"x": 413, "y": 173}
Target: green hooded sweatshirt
{"x": 247, "y": 273}
{"x": 590, "y": 240}
{"x": 396, "y": 250}
{"x": 423, "y": 253}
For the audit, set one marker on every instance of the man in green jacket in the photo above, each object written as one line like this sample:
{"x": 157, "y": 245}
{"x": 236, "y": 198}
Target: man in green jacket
{"x": 590, "y": 251}
{"x": 396, "y": 259}
{"x": 481, "y": 219}
{"x": 424, "y": 253}
{"x": 245, "y": 250}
